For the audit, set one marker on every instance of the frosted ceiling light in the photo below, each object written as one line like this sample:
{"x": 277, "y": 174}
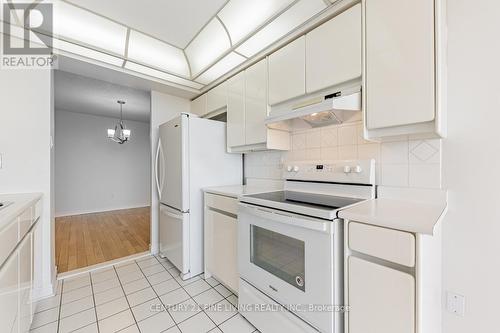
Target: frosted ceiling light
{"x": 153, "y": 52}
{"x": 220, "y": 68}
{"x": 241, "y": 17}
{"x": 285, "y": 23}
{"x": 205, "y": 48}
{"x": 86, "y": 28}
{"x": 161, "y": 75}
{"x": 87, "y": 53}
{"x": 120, "y": 134}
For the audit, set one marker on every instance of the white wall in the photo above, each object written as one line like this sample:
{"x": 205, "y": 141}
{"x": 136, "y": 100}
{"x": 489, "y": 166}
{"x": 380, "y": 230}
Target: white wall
{"x": 471, "y": 162}
{"x": 163, "y": 108}
{"x": 95, "y": 174}
{"x": 405, "y": 163}
{"x": 26, "y": 124}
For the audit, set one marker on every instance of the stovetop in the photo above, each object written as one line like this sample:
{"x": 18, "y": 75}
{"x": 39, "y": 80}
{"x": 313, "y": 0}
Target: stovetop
{"x": 320, "y": 189}
{"x": 311, "y": 204}
{"x": 307, "y": 199}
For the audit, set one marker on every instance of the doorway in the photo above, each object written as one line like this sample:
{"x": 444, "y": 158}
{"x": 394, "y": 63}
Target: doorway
{"x": 102, "y": 181}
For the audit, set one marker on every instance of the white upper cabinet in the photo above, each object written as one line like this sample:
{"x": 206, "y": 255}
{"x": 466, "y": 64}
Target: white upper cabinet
{"x": 236, "y": 110}
{"x": 199, "y": 105}
{"x": 217, "y": 98}
{"x": 287, "y": 72}
{"x": 247, "y": 113}
{"x": 333, "y": 51}
{"x": 402, "y": 64}
{"x": 256, "y": 103}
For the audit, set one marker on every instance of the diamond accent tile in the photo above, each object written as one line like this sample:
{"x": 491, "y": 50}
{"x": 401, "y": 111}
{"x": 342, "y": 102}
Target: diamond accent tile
{"x": 424, "y": 151}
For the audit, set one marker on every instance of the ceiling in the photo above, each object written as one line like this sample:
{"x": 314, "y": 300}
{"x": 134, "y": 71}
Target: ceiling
{"x": 76, "y": 93}
{"x": 188, "y": 43}
{"x": 175, "y": 22}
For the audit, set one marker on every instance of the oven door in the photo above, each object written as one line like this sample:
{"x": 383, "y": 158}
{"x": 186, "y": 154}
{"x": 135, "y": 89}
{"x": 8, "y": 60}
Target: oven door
{"x": 290, "y": 258}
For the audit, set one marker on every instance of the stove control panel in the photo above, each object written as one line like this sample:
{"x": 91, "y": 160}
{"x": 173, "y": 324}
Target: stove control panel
{"x": 349, "y": 171}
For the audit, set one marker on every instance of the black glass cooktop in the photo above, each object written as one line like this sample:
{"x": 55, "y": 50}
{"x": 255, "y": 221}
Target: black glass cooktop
{"x": 306, "y": 199}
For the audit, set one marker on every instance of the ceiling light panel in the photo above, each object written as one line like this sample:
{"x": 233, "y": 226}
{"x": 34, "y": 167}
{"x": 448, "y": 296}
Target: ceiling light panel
{"x": 161, "y": 75}
{"x": 285, "y": 23}
{"x": 210, "y": 44}
{"x": 242, "y": 17}
{"x": 87, "y": 53}
{"x": 221, "y": 67}
{"x": 151, "y": 51}
{"x": 81, "y": 26}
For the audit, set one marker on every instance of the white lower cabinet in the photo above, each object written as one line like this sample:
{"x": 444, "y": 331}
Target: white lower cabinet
{"x": 16, "y": 275}
{"x": 221, "y": 240}
{"x": 392, "y": 280}
{"x": 382, "y": 299}
{"x": 25, "y": 283}
{"x": 9, "y": 294}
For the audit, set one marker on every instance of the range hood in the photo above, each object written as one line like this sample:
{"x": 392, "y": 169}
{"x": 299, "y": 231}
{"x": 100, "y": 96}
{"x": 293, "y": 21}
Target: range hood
{"x": 337, "y": 108}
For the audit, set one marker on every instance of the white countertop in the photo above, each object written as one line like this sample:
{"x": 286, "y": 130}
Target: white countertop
{"x": 235, "y": 191}
{"x": 21, "y": 201}
{"x": 411, "y": 216}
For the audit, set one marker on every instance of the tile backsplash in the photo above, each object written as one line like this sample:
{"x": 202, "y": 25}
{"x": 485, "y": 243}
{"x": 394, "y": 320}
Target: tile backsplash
{"x": 403, "y": 163}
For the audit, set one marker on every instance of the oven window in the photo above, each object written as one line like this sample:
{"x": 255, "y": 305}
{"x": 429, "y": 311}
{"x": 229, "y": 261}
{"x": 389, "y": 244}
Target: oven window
{"x": 279, "y": 255}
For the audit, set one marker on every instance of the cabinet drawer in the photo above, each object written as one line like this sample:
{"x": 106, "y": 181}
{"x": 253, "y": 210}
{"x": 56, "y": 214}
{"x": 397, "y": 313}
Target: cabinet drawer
{"x": 392, "y": 245}
{"x": 269, "y": 321}
{"x": 8, "y": 240}
{"x": 221, "y": 202}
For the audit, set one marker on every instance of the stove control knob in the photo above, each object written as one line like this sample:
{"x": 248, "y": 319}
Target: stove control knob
{"x": 358, "y": 169}
{"x": 296, "y": 169}
{"x": 347, "y": 169}
{"x": 289, "y": 168}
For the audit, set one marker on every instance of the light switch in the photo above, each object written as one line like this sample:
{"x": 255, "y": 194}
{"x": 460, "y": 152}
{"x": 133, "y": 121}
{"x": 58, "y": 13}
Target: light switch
{"x": 455, "y": 304}
{"x": 0, "y": 160}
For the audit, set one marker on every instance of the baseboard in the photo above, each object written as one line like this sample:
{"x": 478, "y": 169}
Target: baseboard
{"x": 101, "y": 265}
{"x": 93, "y": 211}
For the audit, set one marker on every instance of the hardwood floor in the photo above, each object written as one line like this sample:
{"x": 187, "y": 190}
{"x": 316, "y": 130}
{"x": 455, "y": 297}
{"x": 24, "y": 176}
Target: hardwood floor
{"x": 89, "y": 239}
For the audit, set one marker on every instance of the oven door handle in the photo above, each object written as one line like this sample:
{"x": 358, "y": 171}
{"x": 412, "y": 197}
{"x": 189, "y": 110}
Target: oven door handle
{"x": 287, "y": 218}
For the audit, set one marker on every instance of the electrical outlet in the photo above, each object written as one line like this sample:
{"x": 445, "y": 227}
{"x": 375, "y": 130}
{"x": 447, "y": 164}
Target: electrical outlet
{"x": 455, "y": 304}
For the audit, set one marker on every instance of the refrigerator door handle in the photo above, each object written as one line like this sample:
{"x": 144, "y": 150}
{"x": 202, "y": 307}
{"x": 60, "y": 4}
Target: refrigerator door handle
{"x": 158, "y": 188}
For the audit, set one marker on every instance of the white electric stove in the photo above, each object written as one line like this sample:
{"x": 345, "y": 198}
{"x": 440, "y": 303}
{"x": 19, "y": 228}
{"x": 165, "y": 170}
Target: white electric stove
{"x": 290, "y": 246}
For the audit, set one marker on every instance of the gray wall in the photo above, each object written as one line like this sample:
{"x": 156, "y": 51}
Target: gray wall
{"x": 94, "y": 174}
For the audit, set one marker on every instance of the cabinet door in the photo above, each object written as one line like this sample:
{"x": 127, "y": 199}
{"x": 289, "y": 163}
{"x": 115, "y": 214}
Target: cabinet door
{"x": 199, "y": 105}
{"x": 9, "y": 294}
{"x": 400, "y": 62}
{"x": 25, "y": 284}
{"x": 287, "y": 77}
{"x": 217, "y": 98}
{"x": 333, "y": 51}
{"x": 236, "y": 110}
{"x": 381, "y": 299}
{"x": 223, "y": 263}
{"x": 256, "y": 103}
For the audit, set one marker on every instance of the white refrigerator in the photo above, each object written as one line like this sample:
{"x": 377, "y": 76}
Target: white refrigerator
{"x": 191, "y": 155}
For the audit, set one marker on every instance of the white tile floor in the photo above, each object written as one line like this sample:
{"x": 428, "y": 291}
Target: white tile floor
{"x": 147, "y": 296}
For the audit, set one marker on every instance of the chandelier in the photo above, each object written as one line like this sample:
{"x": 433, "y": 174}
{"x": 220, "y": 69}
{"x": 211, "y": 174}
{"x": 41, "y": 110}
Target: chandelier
{"x": 120, "y": 134}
